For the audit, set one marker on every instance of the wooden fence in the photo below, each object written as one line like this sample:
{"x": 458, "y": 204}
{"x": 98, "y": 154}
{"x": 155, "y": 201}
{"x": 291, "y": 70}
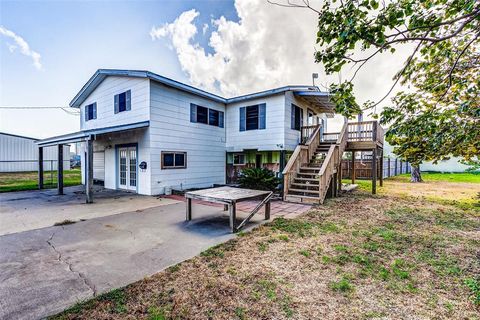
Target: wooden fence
{"x": 363, "y": 168}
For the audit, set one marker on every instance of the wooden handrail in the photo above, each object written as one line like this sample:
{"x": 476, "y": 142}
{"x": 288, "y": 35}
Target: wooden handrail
{"x": 301, "y": 155}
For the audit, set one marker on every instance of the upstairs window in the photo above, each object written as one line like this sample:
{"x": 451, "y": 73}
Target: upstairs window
{"x": 174, "y": 160}
{"x": 207, "y": 116}
{"x": 296, "y": 118}
{"x": 91, "y": 111}
{"x": 253, "y": 117}
{"x": 122, "y": 102}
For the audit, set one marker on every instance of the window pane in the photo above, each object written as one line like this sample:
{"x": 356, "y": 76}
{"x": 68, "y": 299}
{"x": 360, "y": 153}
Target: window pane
{"x": 122, "y": 102}
{"x": 213, "y": 116}
{"x": 238, "y": 159}
{"x": 168, "y": 159}
{"x": 298, "y": 112}
{"x": 179, "y": 160}
{"x": 252, "y": 118}
{"x": 90, "y": 112}
{"x": 202, "y": 114}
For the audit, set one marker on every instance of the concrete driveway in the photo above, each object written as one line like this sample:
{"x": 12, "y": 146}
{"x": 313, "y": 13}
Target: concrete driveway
{"x": 47, "y": 269}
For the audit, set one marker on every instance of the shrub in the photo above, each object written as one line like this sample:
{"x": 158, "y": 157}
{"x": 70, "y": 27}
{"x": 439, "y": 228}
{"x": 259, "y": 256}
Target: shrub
{"x": 258, "y": 178}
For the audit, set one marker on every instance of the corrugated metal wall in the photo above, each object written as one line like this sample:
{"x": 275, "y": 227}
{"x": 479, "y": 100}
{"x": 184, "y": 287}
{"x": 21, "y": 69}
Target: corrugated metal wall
{"x": 18, "y": 154}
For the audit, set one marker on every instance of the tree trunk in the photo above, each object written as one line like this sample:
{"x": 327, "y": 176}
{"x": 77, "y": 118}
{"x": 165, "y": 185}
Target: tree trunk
{"x": 416, "y": 175}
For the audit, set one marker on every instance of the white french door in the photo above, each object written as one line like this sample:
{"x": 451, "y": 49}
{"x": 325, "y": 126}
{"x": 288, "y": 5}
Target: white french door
{"x": 127, "y": 168}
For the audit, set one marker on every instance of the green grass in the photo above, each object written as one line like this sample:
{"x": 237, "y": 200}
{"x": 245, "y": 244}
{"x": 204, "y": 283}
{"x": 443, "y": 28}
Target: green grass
{"x": 20, "y": 181}
{"x": 470, "y": 177}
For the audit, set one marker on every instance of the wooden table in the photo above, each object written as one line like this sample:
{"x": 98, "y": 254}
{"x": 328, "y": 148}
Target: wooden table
{"x": 229, "y": 197}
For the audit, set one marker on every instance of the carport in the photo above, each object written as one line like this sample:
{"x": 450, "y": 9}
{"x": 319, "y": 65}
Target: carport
{"x": 88, "y": 137}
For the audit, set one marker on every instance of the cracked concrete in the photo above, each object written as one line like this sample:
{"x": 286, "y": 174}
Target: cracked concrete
{"x": 80, "y": 275}
{"x": 44, "y": 271}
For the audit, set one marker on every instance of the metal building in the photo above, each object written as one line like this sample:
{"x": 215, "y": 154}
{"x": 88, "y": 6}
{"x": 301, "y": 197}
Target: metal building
{"x": 20, "y": 154}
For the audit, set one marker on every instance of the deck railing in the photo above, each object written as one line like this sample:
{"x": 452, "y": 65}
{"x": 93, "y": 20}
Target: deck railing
{"x": 301, "y": 156}
{"x": 360, "y": 131}
{"x": 365, "y": 131}
{"x": 331, "y": 162}
{"x": 306, "y": 132}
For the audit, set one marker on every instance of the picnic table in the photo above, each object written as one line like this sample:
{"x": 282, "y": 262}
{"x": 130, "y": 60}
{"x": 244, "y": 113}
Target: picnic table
{"x": 229, "y": 197}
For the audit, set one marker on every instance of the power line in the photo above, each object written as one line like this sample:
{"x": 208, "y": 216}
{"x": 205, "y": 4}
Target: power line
{"x": 33, "y": 107}
{"x": 72, "y": 111}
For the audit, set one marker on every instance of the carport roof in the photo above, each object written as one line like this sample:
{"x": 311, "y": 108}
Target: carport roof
{"x": 85, "y": 134}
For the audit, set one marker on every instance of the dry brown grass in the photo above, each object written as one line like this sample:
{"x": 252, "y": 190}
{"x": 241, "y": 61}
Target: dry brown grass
{"x": 357, "y": 257}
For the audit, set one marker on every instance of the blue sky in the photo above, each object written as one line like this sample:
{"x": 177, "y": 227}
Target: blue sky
{"x": 76, "y": 38}
{"x": 248, "y": 46}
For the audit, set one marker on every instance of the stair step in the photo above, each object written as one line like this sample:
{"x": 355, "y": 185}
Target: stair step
{"x": 310, "y": 168}
{"x": 301, "y": 199}
{"x": 302, "y": 191}
{"x": 307, "y": 179}
{"x": 306, "y": 185}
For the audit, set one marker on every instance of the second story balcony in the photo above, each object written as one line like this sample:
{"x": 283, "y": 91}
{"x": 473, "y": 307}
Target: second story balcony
{"x": 365, "y": 135}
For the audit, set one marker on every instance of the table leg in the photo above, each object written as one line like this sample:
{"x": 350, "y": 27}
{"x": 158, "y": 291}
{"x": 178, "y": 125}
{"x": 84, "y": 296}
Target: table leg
{"x": 267, "y": 210}
{"x": 189, "y": 209}
{"x": 233, "y": 216}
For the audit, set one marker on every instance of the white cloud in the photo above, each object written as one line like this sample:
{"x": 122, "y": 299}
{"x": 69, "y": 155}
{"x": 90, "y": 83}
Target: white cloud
{"x": 269, "y": 46}
{"x": 23, "y": 45}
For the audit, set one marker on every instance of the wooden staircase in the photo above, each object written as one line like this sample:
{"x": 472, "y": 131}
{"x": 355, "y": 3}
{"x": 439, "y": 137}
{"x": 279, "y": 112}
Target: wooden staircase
{"x": 312, "y": 169}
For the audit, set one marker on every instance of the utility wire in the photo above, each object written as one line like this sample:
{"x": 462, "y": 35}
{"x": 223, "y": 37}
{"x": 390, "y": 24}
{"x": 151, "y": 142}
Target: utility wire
{"x": 72, "y": 111}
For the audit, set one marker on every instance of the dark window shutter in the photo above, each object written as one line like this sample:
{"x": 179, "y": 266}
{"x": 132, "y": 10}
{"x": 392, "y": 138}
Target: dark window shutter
{"x": 262, "y": 116}
{"x": 128, "y": 100}
{"x": 220, "y": 119}
{"x": 116, "y": 103}
{"x": 292, "y": 117}
{"x": 193, "y": 112}
{"x": 242, "y": 118}
{"x": 95, "y": 110}
{"x": 301, "y": 118}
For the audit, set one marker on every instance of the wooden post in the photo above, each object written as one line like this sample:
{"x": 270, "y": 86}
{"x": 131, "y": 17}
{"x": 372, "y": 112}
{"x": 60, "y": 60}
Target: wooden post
{"x": 189, "y": 209}
{"x": 374, "y": 171}
{"x": 396, "y": 165}
{"x": 233, "y": 216}
{"x": 267, "y": 210}
{"x": 40, "y": 168}
{"x": 334, "y": 185}
{"x": 400, "y": 166}
{"x": 339, "y": 173}
{"x": 60, "y": 169}
{"x": 381, "y": 168}
{"x": 89, "y": 170}
{"x": 353, "y": 167}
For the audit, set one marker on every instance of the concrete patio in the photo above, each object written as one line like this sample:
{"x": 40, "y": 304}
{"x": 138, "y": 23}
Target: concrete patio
{"x": 46, "y": 268}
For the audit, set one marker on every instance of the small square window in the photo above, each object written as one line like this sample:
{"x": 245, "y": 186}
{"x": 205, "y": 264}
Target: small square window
{"x": 174, "y": 160}
{"x": 91, "y": 111}
{"x": 238, "y": 159}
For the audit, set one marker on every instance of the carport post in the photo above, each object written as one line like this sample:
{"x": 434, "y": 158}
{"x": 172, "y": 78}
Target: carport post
{"x": 89, "y": 170}
{"x": 40, "y": 168}
{"x": 60, "y": 169}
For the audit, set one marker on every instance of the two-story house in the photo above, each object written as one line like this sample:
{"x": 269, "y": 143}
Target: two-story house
{"x": 147, "y": 133}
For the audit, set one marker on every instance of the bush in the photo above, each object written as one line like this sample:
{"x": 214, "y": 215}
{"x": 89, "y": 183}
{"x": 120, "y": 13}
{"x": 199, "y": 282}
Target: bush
{"x": 258, "y": 178}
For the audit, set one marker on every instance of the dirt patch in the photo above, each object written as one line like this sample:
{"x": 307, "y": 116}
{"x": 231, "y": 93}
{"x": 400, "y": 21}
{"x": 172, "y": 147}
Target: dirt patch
{"x": 356, "y": 257}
